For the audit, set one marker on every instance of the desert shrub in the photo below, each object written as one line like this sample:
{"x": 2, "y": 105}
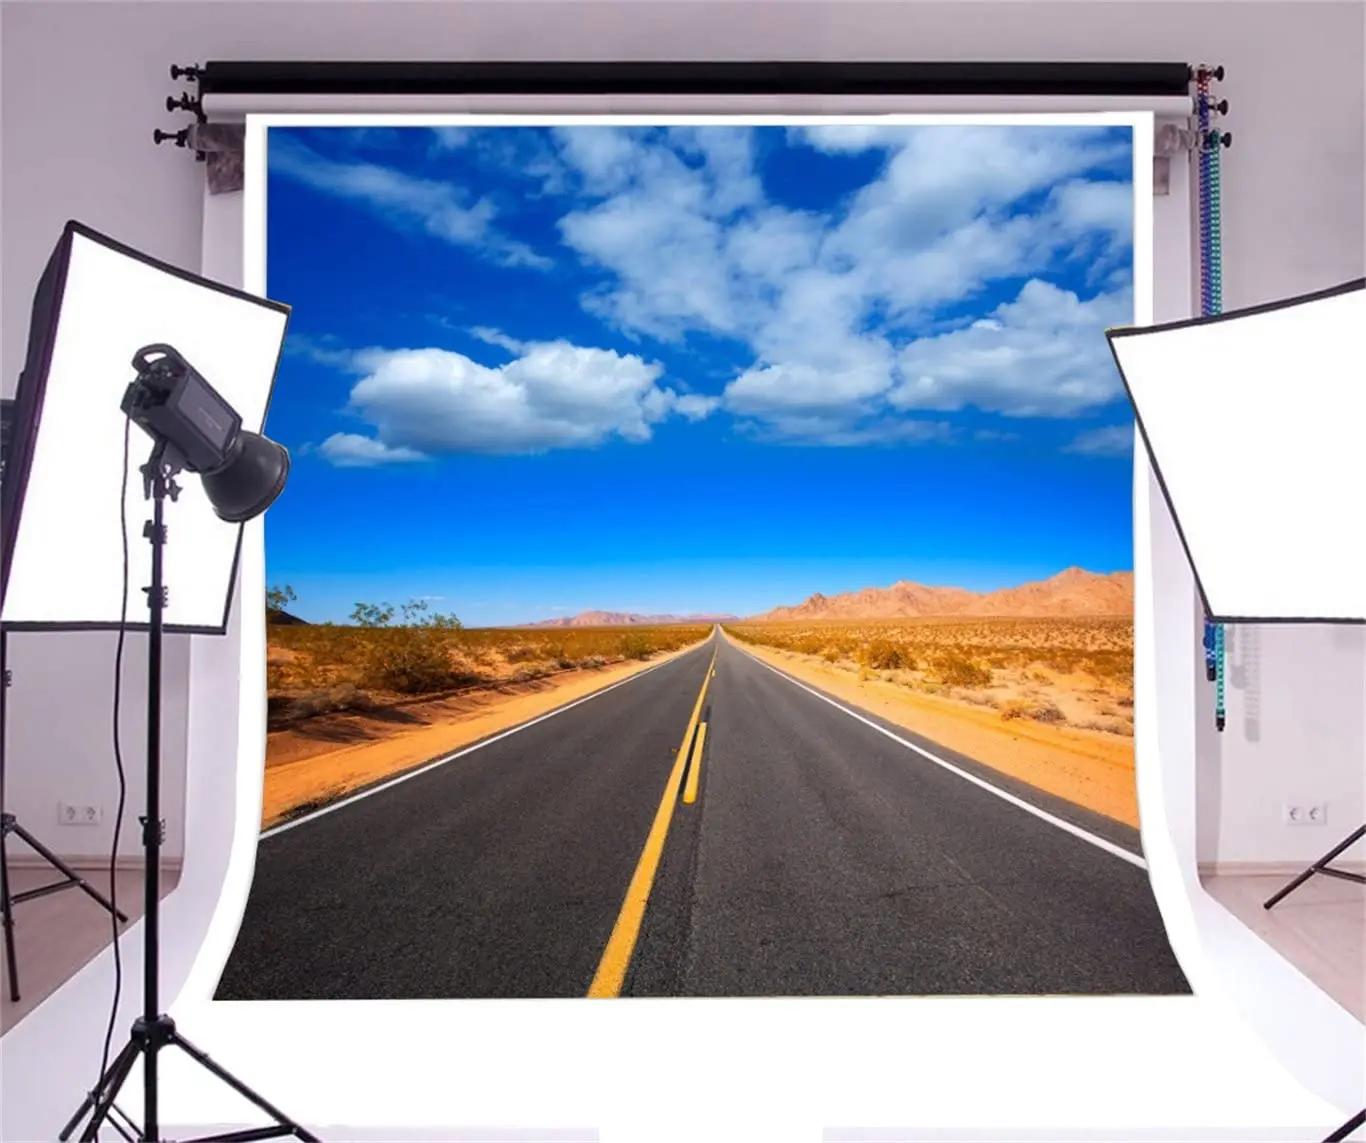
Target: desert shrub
{"x": 1040, "y": 710}
{"x": 956, "y": 670}
{"x": 283, "y": 710}
{"x": 831, "y": 654}
{"x": 634, "y": 645}
{"x": 277, "y": 677}
{"x": 410, "y": 661}
{"x": 976, "y": 698}
{"x": 882, "y": 655}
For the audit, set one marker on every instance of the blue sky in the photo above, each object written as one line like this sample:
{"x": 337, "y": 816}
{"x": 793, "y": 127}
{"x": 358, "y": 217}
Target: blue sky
{"x": 537, "y": 371}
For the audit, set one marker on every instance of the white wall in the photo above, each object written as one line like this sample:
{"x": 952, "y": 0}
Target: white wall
{"x": 84, "y": 83}
{"x": 81, "y": 88}
{"x": 1296, "y": 734}
{"x": 60, "y": 730}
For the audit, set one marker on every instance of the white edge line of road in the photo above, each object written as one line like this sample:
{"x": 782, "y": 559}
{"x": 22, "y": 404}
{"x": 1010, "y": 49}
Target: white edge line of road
{"x": 1076, "y": 831}
{"x": 435, "y": 762}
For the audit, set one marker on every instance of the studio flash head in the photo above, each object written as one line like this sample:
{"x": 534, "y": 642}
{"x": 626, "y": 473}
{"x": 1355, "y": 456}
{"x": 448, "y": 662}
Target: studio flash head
{"x": 196, "y": 429}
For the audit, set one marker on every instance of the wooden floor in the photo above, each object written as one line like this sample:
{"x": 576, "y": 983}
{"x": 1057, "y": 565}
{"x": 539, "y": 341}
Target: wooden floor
{"x": 58, "y": 935}
{"x": 1320, "y": 928}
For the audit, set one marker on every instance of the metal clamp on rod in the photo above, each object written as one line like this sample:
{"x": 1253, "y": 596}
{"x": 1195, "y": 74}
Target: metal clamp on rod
{"x": 186, "y": 102}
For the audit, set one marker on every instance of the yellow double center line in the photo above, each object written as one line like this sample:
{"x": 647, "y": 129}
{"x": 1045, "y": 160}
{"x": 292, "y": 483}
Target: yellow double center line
{"x": 616, "y": 958}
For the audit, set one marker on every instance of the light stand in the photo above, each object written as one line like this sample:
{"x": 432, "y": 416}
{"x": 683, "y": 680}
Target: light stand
{"x": 1322, "y": 866}
{"x": 154, "y": 1030}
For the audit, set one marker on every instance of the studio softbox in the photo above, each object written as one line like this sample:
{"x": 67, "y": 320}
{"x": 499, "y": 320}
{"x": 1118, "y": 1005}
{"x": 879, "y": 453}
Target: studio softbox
{"x": 97, "y": 304}
{"x": 1255, "y": 423}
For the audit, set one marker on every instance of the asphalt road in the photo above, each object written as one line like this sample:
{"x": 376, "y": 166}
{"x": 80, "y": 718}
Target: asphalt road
{"x": 819, "y": 857}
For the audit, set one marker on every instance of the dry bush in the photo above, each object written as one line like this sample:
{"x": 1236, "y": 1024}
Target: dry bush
{"x": 311, "y": 661}
{"x": 957, "y": 670}
{"x": 634, "y": 645}
{"x": 412, "y": 661}
{"x": 884, "y": 655}
{"x": 282, "y": 710}
{"x": 1040, "y": 710}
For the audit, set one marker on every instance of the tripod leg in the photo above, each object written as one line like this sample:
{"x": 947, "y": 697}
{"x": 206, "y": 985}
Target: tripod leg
{"x": 1347, "y": 1128}
{"x": 1345, "y": 843}
{"x": 61, "y": 866}
{"x": 102, "y": 1098}
{"x": 1286, "y": 890}
{"x": 11, "y": 961}
{"x": 241, "y": 1089}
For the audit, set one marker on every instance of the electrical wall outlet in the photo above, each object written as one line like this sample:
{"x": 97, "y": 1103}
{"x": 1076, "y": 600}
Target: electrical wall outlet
{"x": 1305, "y": 813}
{"x": 70, "y": 814}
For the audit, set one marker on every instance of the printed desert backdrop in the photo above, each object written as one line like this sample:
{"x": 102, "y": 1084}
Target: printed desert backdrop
{"x": 706, "y": 566}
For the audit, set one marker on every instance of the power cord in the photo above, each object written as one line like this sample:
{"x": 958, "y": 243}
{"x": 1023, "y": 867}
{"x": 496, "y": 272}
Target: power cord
{"x": 118, "y": 763}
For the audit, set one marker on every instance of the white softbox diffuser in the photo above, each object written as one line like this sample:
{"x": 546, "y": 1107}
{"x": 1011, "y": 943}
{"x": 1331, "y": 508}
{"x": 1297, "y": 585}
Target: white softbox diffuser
{"x": 1255, "y": 421}
{"x": 100, "y": 304}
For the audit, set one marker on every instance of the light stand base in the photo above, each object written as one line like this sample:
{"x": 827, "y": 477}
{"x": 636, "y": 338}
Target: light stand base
{"x": 1323, "y": 867}
{"x": 1347, "y": 1128}
{"x": 9, "y": 824}
{"x": 152, "y": 1037}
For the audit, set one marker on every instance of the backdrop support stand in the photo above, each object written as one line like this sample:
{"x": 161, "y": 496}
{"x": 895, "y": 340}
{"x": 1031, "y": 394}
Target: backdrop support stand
{"x": 9, "y": 824}
{"x": 154, "y": 1030}
{"x": 1322, "y": 866}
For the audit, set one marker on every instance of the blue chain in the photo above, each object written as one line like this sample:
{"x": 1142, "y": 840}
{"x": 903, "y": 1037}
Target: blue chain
{"x": 1211, "y": 302}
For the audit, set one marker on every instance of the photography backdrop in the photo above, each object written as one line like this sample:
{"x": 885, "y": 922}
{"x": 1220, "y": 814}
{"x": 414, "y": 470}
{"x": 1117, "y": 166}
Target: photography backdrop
{"x": 706, "y": 367}
{"x": 1291, "y": 226}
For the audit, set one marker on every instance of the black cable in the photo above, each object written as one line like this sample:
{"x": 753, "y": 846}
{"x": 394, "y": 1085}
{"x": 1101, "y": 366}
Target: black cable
{"x": 118, "y": 763}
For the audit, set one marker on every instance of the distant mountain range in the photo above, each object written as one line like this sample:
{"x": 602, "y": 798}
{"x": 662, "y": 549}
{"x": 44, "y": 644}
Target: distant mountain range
{"x": 1070, "y": 593}
{"x": 628, "y": 619}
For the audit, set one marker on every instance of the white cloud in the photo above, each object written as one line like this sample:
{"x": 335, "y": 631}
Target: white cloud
{"x": 696, "y": 407}
{"x": 323, "y": 351}
{"x": 825, "y": 305}
{"x": 452, "y": 138}
{"x": 1042, "y": 355}
{"x": 351, "y": 450}
{"x": 838, "y": 431}
{"x": 849, "y": 138}
{"x": 439, "y": 208}
{"x": 424, "y": 402}
{"x": 1113, "y": 440}
{"x": 499, "y": 338}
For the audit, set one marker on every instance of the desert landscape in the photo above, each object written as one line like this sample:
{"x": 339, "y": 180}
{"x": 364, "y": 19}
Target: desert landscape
{"x": 350, "y": 705}
{"x": 1035, "y": 680}
{"x": 1059, "y": 651}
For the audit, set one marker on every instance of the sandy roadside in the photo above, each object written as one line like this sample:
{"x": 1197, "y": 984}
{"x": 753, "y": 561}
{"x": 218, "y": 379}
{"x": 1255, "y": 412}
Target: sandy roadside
{"x": 327, "y": 757}
{"x": 1089, "y": 768}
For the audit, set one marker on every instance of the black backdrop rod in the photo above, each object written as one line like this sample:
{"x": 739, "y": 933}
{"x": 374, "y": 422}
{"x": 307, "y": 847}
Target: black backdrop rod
{"x": 792, "y": 77}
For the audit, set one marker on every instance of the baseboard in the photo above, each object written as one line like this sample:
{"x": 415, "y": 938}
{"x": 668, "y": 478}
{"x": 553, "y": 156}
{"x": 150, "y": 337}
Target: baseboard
{"x": 1270, "y": 868}
{"x": 19, "y": 856}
